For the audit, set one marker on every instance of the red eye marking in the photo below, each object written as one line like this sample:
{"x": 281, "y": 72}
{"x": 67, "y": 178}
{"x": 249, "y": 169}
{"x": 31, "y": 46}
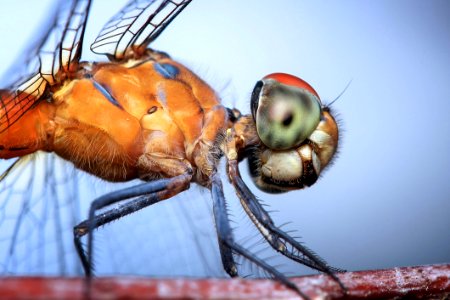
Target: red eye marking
{"x": 291, "y": 80}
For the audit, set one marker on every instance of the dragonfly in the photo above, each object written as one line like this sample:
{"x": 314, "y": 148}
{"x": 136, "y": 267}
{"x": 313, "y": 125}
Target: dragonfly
{"x": 143, "y": 115}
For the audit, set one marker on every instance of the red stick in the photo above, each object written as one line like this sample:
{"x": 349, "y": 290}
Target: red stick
{"x": 422, "y": 282}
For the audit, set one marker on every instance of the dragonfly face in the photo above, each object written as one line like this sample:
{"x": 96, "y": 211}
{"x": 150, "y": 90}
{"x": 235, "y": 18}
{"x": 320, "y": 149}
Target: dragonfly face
{"x": 298, "y": 135}
{"x": 150, "y": 117}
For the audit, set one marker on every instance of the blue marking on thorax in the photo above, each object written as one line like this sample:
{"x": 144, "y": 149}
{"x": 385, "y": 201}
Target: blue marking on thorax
{"x": 168, "y": 71}
{"x": 105, "y": 93}
{"x": 162, "y": 96}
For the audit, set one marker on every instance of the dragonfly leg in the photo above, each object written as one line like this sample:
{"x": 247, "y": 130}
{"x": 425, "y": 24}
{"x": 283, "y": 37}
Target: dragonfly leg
{"x": 147, "y": 194}
{"x": 223, "y": 228}
{"x": 278, "y": 239}
{"x": 227, "y": 243}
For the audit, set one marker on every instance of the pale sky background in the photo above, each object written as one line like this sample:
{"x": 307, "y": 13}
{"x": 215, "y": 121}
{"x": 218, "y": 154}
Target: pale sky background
{"x": 386, "y": 200}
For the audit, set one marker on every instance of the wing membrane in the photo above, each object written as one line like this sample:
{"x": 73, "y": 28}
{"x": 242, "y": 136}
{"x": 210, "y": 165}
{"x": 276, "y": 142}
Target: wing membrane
{"x": 48, "y": 62}
{"x": 72, "y": 39}
{"x": 42, "y": 197}
{"x": 138, "y": 24}
{"x": 14, "y": 104}
{"x": 38, "y": 207}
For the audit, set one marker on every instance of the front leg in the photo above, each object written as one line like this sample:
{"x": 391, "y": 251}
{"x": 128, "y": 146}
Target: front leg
{"x": 227, "y": 244}
{"x": 277, "y": 239}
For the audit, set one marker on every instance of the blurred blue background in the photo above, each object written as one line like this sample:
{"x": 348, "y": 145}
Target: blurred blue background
{"x": 386, "y": 200}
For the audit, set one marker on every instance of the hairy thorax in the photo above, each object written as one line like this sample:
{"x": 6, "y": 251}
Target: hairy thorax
{"x": 143, "y": 119}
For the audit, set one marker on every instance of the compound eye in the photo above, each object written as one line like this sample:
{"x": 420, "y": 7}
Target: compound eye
{"x": 287, "y": 110}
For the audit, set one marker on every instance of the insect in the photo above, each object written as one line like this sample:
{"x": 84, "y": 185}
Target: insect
{"x": 155, "y": 120}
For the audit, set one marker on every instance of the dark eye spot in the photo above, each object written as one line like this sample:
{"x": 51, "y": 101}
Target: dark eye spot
{"x": 288, "y": 120}
{"x": 152, "y": 110}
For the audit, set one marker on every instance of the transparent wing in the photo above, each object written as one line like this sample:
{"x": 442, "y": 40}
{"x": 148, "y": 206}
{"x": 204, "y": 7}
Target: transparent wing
{"x": 38, "y": 206}
{"x": 47, "y": 62}
{"x": 42, "y": 197}
{"x": 61, "y": 50}
{"x": 138, "y": 24}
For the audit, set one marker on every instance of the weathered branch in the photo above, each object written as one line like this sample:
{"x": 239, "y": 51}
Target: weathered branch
{"x": 415, "y": 282}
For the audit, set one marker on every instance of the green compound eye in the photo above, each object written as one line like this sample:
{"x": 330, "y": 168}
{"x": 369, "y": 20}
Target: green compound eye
{"x": 286, "y": 113}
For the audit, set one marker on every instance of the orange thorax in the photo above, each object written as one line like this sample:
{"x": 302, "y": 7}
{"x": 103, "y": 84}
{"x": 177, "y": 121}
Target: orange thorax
{"x": 111, "y": 115}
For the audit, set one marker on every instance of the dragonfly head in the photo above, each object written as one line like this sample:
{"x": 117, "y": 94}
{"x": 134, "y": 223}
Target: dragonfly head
{"x": 298, "y": 135}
